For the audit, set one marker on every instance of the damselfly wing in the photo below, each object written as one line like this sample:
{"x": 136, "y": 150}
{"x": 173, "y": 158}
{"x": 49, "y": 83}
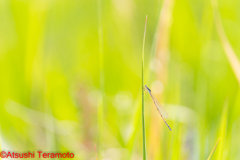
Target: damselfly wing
{"x": 159, "y": 107}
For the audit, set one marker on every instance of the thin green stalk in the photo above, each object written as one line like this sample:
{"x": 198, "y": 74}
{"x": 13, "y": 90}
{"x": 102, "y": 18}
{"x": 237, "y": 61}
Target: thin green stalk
{"x": 143, "y": 120}
{"x": 223, "y": 131}
{"x": 101, "y": 70}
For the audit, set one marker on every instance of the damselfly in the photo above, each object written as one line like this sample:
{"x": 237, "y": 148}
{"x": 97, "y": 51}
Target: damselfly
{"x": 160, "y": 109}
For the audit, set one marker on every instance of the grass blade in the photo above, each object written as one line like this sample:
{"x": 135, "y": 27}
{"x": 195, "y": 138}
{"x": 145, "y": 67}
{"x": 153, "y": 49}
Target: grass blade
{"x": 213, "y": 150}
{"x": 231, "y": 55}
{"x": 223, "y": 130}
{"x": 101, "y": 71}
{"x": 96, "y": 152}
{"x": 143, "y": 120}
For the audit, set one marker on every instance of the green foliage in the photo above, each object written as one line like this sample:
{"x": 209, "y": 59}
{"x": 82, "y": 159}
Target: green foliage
{"x": 70, "y": 78}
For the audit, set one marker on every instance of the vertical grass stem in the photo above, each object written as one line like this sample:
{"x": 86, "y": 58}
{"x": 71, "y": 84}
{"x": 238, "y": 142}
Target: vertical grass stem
{"x": 143, "y": 120}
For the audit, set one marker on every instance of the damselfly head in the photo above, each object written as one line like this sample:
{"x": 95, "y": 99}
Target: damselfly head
{"x": 147, "y": 88}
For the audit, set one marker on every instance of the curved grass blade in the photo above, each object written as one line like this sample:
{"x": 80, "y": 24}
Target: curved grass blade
{"x": 230, "y": 53}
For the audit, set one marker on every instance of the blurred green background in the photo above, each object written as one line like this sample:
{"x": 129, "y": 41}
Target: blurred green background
{"x": 70, "y": 77}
